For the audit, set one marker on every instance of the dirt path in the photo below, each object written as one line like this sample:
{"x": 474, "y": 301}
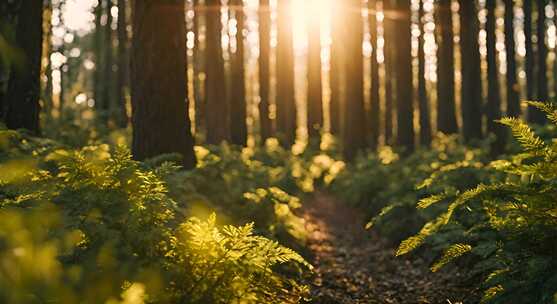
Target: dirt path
{"x": 355, "y": 266}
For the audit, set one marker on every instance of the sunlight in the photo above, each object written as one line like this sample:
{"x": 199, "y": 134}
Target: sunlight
{"x": 310, "y": 11}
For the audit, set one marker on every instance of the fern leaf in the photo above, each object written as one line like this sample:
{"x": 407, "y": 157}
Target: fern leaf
{"x": 451, "y": 253}
{"x": 431, "y": 200}
{"x": 524, "y": 134}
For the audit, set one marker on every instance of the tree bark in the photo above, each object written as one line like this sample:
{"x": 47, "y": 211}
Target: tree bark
{"x": 388, "y": 51}
{"x": 97, "y": 49}
{"x": 446, "y": 115}
{"x": 198, "y": 69}
{"x": 535, "y": 115}
{"x": 375, "y": 102}
{"x": 513, "y": 88}
{"x": 239, "y": 131}
{"x": 315, "y": 88}
{"x": 159, "y": 95}
{"x": 123, "y": 65}
{"x": 405, "y": 109}
{"x": 335, "y": 72}
{"x": 21, "y": 104}
{"x": 217, "y": 108}
{"x": 493, "y": 93}
{"x": 286, "y": 102}
{"x": 264, "y": 69}
{"x": 471, "y": 92}
{"x": 354, "y": 137}
{"x": 423, "y": 102}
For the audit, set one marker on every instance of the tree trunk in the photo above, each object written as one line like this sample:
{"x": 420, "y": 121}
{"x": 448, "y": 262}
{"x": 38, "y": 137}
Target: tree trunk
{"x": 513, "y": 89}
{"x": 108, "y": 74}
{"x": 493, "y": 93}
{"x": 404, "y": 85}
{"x": 335, "y": 71}
{"x": 198, "y": 69}
{"x": 286, "y": 102}
{"x": 264, "y": 68}
{"x": 315, "y": 96}
{"x": 159, "y": 95}
{"x": 471, "y": 92}
{"x": 21, "y": 109}
{"x": 388, "y": 51}
{"x": 239, "y": 132}
{"x": 535, "y": 115}
{"x": 446, "y": 115}
{"x": 375, "y": 102}
{"x": 530, "y": 61}
{"x": 423, "y": 102}
{"x": 354, "y": 137}
{"x": 217, "y": 109}
{"x": 123, "y": 64}
{"x": 97, "y": 49}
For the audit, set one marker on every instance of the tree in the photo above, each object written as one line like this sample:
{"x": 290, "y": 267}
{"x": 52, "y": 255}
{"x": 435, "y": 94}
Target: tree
{"x": 217, "y": 108}
{"x": 446, "y": 115}
{"x": 513, "y": 91}
{"x": 21, "y": 104}
{"x": 98, "y": 81}
{"x": 108, "y": 73}
{"x": 423, "y": 102}
{"x": 471, "y": 92}
{"x": 493, "y": 91}
{"x": 354, "y": 130}
{"x": 529, "y": 60}
{"x": 159, "y": 95}
{"x": 403, "y": 70}
{"x": 264, "y": 68}
{"x": 390, "y": 81}
{"x": 123, "y": 64}
{"x": 238, "y": 125}
{"x": 198, "y": 68}
{"x": 535, "y": 115}
{"x": 375, "y": 102}
{"x": 314, "y": 92}
{"x": 335, "y": 71}
{"x": 286, "y": 102}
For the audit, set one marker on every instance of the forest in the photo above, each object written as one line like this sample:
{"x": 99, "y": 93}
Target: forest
{"x": 278, "y": 151}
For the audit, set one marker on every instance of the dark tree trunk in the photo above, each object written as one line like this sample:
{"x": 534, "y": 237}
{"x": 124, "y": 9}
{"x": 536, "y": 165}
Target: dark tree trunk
{"x": 535, "y": 115}
{"x": 375, "y": 102}
{"x": 198, "y": 69}
{"x": 446, "y": 115}
{"x": 388, "y": 26}
{"x": 493, "y": 92}
{"x": 217, "y": 109}
{"x": 264, "y": 68}
{"x": 238, "y": 125}
{"x": 98, "y": 81}
{"x": 354, "y": 137}
{"x": 335, "y": 71}
{"x": 423, "y": 102}
{"x": 47, "y": 51}
{"x": 286, "y": 102}
{"x": 159, "y": 95}
{"x": 21, "y": 108}
{"x": 530, "y": 61}
{"x": 123, "y": 64}
{"x": 513, "y": 89}
{"x": 108, "y": 73}
{"x": 471, "y": 92}
{"x": 315, "y": 96}
{"x": 404, "y": 86}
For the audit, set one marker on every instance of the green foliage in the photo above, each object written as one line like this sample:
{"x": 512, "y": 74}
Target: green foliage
{"x": 94, "y": 226}
{"x": 508, "y": 225}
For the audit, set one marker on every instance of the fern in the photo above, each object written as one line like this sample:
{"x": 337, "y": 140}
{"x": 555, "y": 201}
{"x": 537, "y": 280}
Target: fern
{"x": 451, "y": 253}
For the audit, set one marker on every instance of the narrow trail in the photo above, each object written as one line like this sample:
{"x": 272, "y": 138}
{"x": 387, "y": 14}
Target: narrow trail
{"x": 356, "y": 266}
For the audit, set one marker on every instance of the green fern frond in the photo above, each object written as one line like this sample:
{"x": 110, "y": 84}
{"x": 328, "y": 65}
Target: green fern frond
{"x": 451, "y": 253}
{"x": 386, "y": 210}
{"x": 431, "y": 200}
{"x": 550, "y": 109}
{"x": 524, "y": 134}
{"x": 491, "y": 293}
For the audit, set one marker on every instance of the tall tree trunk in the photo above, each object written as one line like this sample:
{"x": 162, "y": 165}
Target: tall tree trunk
{"x": 22, "y": 107}
{"x": 47, "y": 51}
{"x": 315, "y": 96}
{"x": 286, "y": 102}
{"x": 335, "y": 72}
{"x": 388, "y": 51}
{"x": 530, "y": 61}
{"x": 238, "y": 126}
{"x": 405, "y": 109}
{"x": 159, "y": 95}
{"x": 97, "y": 49}
{"x": 108, "y": 74}
{"x": 513, "y": 89}
{"x": 354, "y": 137}
{"x": 375, "y": 102}
{"x": 123, "y": 64}
{"x": 198, "y": 69}
{"x": 535, "y": 115}
{"x": 423, "y": 102}
{"x": 446, "y": 115}
{"x": 264, "y": 68}
{"x": 217, "y": 109}
{"x": 493, "y": 92}
{"x": 471, "y": 92}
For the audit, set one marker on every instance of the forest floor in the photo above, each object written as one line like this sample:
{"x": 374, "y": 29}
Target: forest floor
{"x": 353, "y": 265}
